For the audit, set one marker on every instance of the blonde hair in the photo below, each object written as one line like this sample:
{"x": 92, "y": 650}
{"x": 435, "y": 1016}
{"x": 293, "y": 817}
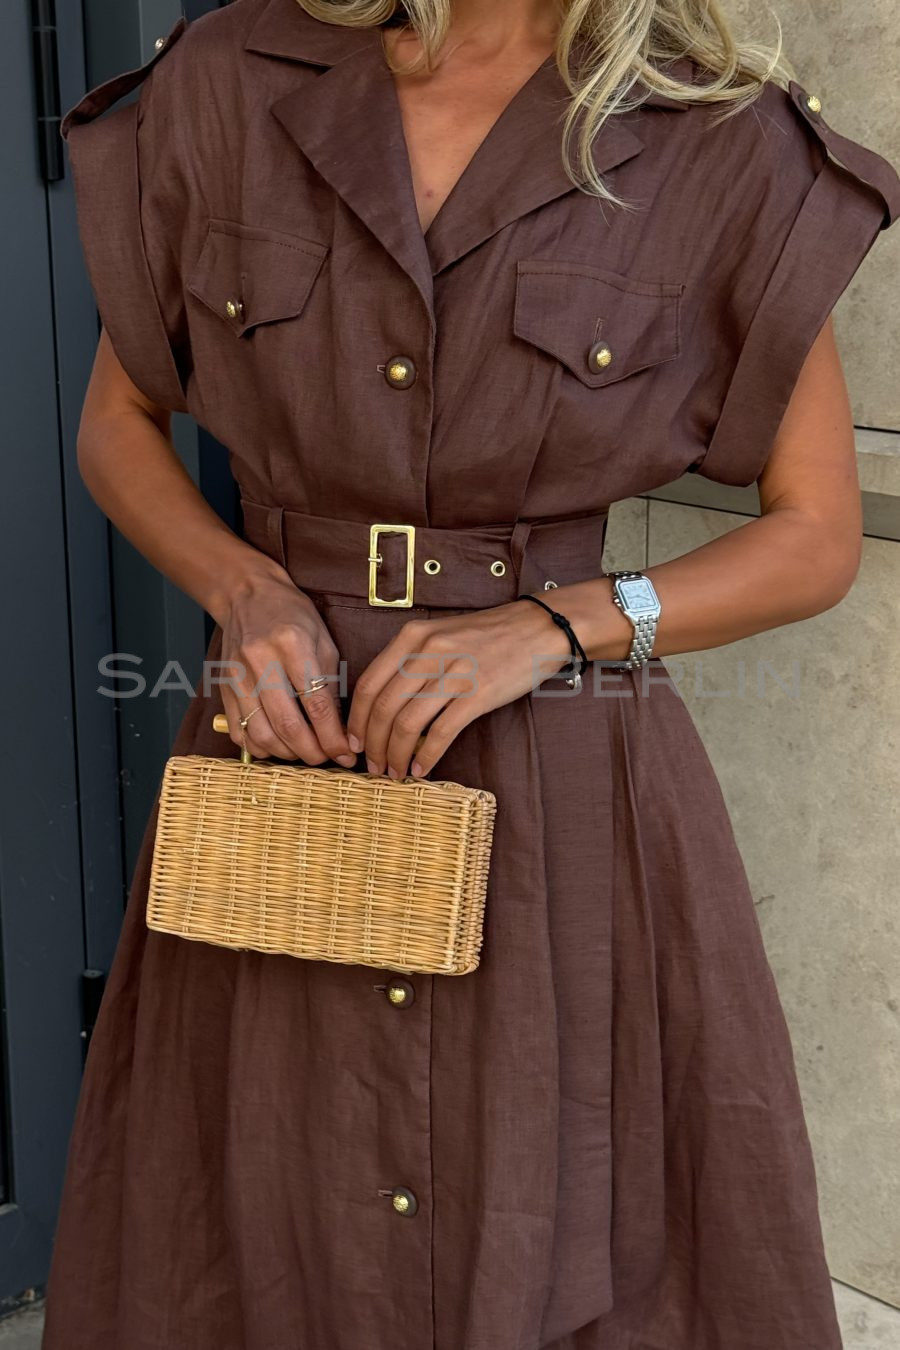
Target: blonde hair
{"x": 619, "y": 43}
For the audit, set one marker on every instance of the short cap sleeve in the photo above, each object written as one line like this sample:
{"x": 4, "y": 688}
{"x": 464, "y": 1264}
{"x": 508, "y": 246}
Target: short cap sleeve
{"x": 115, "y": 159}
{"x": 816, "y": 222}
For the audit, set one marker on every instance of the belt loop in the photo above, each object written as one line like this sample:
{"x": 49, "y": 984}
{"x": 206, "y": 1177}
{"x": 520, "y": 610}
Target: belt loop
{"x": 517, "y": 542}
{"x": 275, "y": 534}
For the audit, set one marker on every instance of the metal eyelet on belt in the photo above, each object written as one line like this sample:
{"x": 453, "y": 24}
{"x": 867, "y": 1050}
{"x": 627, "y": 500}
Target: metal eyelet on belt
{"x": 431, "y": 566}
{"x": 498, "y": 567}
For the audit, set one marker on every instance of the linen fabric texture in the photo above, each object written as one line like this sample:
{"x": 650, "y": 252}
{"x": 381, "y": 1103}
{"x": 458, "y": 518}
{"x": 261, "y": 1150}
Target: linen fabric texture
{"x": 602, "y": 1125}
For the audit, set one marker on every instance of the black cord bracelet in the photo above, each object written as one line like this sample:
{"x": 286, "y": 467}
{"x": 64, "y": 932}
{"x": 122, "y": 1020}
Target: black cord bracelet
{"x": 578, "y": 652}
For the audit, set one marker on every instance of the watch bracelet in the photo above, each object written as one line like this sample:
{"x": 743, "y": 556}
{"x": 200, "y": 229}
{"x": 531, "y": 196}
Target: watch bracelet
{"x": 641, "y": 649}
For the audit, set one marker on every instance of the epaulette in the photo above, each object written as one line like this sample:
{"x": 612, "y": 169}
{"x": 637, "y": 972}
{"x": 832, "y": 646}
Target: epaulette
{"x": 102, "y": 96}
{"x": 864, "y": 164}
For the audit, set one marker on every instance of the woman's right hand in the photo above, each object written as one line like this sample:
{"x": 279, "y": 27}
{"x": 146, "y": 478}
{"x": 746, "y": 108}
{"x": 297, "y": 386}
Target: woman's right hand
{"x": 274, "y": 642}
{"x": 131, "y": 469}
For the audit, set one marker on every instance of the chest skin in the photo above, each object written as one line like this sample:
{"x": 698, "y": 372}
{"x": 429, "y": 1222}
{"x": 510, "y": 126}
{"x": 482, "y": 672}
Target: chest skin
{"x": 447, "y": 113}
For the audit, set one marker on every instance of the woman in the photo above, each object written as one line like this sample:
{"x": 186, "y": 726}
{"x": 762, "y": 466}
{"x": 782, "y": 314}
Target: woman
{"x": 393, "y": 300}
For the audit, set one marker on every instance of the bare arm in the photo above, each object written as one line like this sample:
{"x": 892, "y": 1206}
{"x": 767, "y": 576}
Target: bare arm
{"x": 130, "y": 468}
{"x": 798, "y": 558}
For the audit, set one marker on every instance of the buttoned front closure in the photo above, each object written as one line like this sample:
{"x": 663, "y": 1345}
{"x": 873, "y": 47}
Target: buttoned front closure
{"x": 404, "y": 1201}
{"x": 400, "y": 372}
{"x": 400, "y": 993}
{"x": 534, "y": 357}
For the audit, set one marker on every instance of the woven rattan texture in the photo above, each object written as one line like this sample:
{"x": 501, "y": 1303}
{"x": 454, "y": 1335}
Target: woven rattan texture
{"x": 327, "y": 864}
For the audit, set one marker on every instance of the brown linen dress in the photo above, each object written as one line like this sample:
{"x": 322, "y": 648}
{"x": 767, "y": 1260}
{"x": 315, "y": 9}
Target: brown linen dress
{"x": 601, "y": 1126}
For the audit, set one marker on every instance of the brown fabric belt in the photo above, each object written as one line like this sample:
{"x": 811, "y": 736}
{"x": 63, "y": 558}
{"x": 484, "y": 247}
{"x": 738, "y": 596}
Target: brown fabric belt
{"x": 479, "y": 567}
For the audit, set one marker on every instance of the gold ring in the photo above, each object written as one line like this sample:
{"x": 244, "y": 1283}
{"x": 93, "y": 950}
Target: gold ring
{"x": 318, "y": 683}
{"x": 245, "y": 720}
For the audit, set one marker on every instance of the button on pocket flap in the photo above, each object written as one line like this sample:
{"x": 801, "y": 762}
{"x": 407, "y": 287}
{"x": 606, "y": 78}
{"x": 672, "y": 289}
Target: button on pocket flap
{"x": 250, "y": 275}
{"x": 600, "y": 325}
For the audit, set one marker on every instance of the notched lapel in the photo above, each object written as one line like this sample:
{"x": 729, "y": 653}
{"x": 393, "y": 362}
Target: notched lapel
{"x": 347, "y": 122}
{"x": 518, "y": 167}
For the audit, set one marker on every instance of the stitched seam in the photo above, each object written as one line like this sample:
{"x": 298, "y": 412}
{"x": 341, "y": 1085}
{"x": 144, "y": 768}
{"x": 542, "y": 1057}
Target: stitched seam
{"x": 409, "y": 609}
{"x": 658, "y": 289}
{"x": 193, "y": 287}
{"x": 529, "y": 334}
{"x": 217, "y": 225}
{"x": 135, "y": 188}
{"x": 586, "y": 377}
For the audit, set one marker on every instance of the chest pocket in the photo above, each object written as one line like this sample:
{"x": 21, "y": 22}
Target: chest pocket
{"x": 251, "y": 275}
{"x": 600, "y": 325}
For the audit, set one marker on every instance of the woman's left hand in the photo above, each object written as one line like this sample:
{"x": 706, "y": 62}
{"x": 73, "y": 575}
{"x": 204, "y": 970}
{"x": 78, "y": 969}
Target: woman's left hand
{"x": 443, "y": 673}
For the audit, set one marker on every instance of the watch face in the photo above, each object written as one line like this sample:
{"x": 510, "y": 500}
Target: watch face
{"x": 638, "y": 595}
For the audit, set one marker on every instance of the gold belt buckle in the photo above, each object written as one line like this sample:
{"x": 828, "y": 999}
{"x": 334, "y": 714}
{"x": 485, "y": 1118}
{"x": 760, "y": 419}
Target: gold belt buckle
{"x": 405, "y": 600}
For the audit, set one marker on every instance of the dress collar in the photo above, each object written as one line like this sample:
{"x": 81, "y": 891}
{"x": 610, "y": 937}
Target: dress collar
{"x": 284, "y": 28}
{"x": 347, "y": 122}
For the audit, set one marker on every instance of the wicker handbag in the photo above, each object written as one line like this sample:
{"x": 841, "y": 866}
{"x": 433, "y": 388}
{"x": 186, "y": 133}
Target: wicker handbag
{"x": 328, "y": 864}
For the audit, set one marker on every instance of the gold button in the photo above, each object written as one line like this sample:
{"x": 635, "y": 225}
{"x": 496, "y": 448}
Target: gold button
{"x": 432, "y": 566}
{"x": 159, "y": 43}
{"x": 498, "y": 568}
{"x": 404, "y": 1201}
{"x": 599, "y": 356}
{"x": 400, "y": 371}
{"x": 400, "y": 993}
{"x": 234, "y": 309}
{"x": 814, "y": 104}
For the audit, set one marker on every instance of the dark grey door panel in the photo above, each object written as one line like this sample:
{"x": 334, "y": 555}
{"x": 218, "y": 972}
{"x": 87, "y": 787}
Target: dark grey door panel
{"x": 78, "y": 775}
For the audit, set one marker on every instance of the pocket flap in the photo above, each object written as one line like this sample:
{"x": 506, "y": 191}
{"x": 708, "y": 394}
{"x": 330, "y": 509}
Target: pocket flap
{"x": 601, "y": 325}
{"x": 250, "y": 275}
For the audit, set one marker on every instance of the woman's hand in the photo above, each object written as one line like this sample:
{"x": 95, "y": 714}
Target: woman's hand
{"x": 446, "y": 672}
{"x": 274, "y": 642}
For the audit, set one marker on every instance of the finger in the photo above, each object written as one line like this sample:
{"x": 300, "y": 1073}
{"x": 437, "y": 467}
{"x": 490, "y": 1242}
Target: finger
{"x": 408, "y": 726}
{"x": 439, "y": 736}
{"x": 454, "y": 685}
{"x": 259, "y": 737}
{"x": 322, "y": 706}
{"x": 377, "y": 675}
{"x": 401, "y": 695}
{"x": 323, "y": 710}
{"x": 285, "y": 715}
{"x": 260, "y": 746}
{"x": 278, "y": 682}
{"x": 279, "y": 727}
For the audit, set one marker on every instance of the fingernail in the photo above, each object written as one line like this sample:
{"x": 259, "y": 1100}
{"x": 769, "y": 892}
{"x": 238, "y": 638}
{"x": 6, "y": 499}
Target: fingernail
{"x": 372, "y": 766}
{"x": 416, "y": 769}
{"x": 355, "y": 744}
{"x": 392, "y": 772}
{"x": 348, "y": 760}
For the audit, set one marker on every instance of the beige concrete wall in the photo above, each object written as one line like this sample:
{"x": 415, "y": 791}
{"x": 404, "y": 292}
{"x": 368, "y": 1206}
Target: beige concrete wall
{"x": 812, "y": 779}
{"x": 811, "y": 774}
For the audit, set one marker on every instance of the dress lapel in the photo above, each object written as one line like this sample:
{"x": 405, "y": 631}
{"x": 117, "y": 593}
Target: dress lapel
{"x": 348, "y": 123}
{"x": 518, "y": 167}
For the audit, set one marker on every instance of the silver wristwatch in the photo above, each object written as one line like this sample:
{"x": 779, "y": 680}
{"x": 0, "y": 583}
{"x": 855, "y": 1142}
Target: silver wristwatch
{"x": 634, "y": 595}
